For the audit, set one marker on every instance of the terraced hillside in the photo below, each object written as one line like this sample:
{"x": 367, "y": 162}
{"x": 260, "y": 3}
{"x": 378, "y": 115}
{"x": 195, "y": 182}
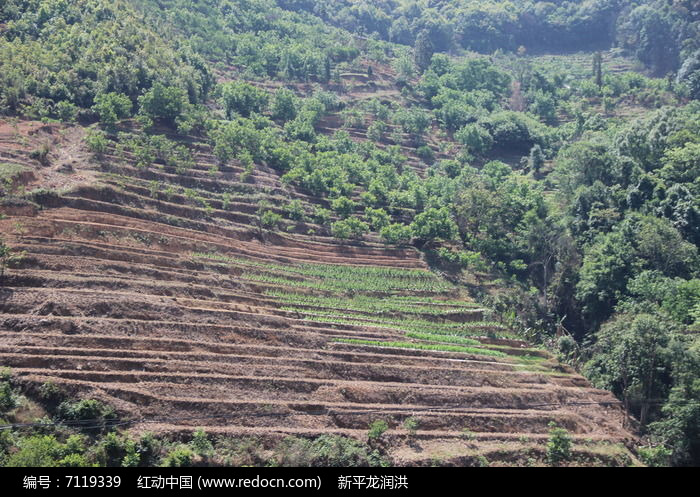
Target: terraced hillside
{"x": 159, "y": 292}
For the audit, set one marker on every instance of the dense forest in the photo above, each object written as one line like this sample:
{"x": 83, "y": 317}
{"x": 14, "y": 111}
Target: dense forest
{"x": 568, "y": 177}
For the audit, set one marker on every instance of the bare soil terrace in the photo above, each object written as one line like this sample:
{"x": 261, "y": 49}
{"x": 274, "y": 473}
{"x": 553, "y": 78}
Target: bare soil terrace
{"x": 182, "y": 318}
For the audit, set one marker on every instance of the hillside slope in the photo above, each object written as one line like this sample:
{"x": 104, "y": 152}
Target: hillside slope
{"x": 183, "y": 312}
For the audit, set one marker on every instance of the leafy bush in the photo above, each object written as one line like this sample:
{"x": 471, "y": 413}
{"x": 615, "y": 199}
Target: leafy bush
{"x": 559, "y": 445}
{"x": 7, "y": 397}
{"x": 165, "y": 103}
{"x": 378, "y": 218}
{"x": 284, "y": 105}
{"x": 515, "y": 130}
{"x": 476, "y": 138}
{"x": 343, "y": 206}
{"x": 243, "y": 98}
{"x": 376, "y": 130}
{"x": 426, "y": 154}
{"x": 655, "y": 456}
{"x": 396, "y": 234}
{"x": 434, "y": 223}
{"x": 270, "y": 220}
{"x": 97, "y": 142}
{"x": 295, "y": 210}
{"x": 200, "y": 443}
{"x": 91, "y": 412}
{"x": 112, "y": 107}
{"x": 377, "y": 429}
{"x": 39, "y": 451}
{"x": 351, "y": 227}
{"x": 326, "y": 451}
{"x": 181, "y": 457}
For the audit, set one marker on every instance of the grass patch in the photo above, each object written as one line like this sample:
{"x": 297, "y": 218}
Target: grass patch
{"x": 9, "y": 171}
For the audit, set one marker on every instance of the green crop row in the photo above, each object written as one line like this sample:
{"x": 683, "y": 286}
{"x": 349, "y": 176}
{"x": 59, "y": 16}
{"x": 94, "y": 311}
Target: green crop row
{"x": 423, "y": 346}
{"x": 364, "y": 303}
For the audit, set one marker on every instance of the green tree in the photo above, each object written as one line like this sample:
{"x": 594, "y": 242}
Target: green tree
{"x": 180, "y": 457}
{"x": 598, "y": 69}
{"x": 39, "y": 451}
{"x": 378, "y": 218}
{"x": 165, "y": 103}
{"x": 396, "y": 234}
{"x": 536, "y": 160}
{"x": 679, "y": 428}
{"x": 476, "y": 138}
{"x": 284, "y": 105}
{"x": 558, "y": 445}
{"x": 351, "y": 227}
{"x": 607, "y": 266}
{"x": 242, "y": 98}
{"x": 112, "y": 107}
{"x": 376, "y": 130}
{"x": 377, "y": 429}
{"x": 423, "y": 50}
{"x": 343, "y": 206}
{"x": 413, "y": 121}
{"x": 630, "y": 357}
{"x": 434, "y": 223}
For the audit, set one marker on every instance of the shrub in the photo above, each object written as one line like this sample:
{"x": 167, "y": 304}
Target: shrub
{"x": 97, "y": 142}
{"x": 411, "y": 425}
{"x": 462, "y": 258}
{"x": 476, "y": 138}
{"x": 352, "y": 118}
{"x": 301, "y": 128}
{"x": 284, "y": 105}
{"x": 112, "y": 107}
{"x": 378, "y": 218}
{"x": 349, "y": 228}
{"x": 7, "y": 397}
{"x": 200, "y": 443}
{"x": 242, "y": 98}
{"x": 658, "y": 456}
{"x": 426, "y": 154}
{"x": 40, "y": 451}
{"x": 85, "y": 410}
{"x": 376, "y": 130}
{"x": 326, "y": 451}
{"x": 66, "y": 111}
{"x": 148, "y": 447}
{"x": 295, "y": 210}
{"x": 434, "y": 223}
{"x": 73, "y": 461}
{"x": 377, "y": 429}
{"x": 41, "y": 154}
{"x": 515, "y": 130}
{"x": 181, "y": 457}
{"x": 116, "y": 450}
{"x": 50, "y": 395}
{"x": 270, "y": 220}
{"x": 559, "y": 445}
{"x": 396, "y": 234}
{"x": 164, "y": 103}
{"x": 343, "y": 206}
{"x": 412, "y": 121}
{"x": 322, "y": 216}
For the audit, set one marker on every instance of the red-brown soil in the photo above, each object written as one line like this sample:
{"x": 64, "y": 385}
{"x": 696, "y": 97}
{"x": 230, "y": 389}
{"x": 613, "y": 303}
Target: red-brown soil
{"x": 109, "y": 302}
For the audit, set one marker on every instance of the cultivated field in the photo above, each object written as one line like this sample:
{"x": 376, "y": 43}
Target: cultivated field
{"x": 158, "y": 292}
